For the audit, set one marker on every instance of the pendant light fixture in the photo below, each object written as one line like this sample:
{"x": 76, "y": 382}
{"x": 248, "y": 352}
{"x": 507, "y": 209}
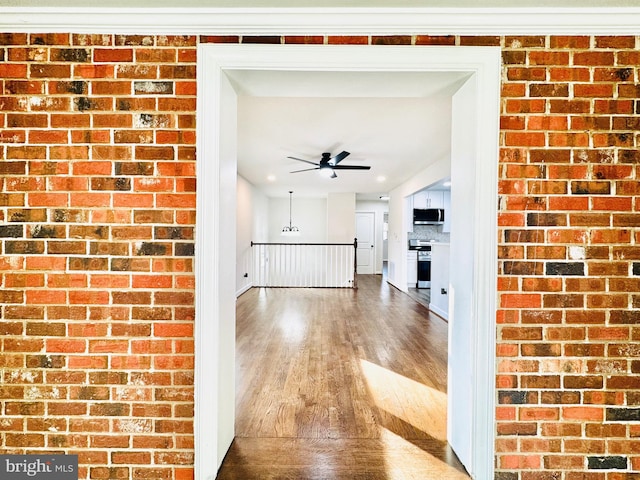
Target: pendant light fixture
{"x": 290, "y": 230}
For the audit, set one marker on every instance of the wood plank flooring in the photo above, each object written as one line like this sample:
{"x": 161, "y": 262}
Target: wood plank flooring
{"x": 340, "y": 384}
{"x": 420, "y": 295}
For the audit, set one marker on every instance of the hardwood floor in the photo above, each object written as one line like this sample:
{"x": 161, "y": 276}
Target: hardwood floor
{"x": 340, "y": 384}
{"x": 420, "y": 295}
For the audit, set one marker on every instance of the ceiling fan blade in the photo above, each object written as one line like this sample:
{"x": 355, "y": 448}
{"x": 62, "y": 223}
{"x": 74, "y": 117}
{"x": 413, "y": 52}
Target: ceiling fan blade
{"x": 305, "y": 161}
{"x": 351, "y": 167}
{"x": 339, "y": 157}
{"x": 305, "y": 170}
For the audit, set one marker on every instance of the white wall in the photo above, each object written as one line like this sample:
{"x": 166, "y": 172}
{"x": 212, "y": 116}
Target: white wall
{"x": 252, "y": 213}
{"x": 439, "y": 300}
{"x": 400, "y": 218}
{"x": 341, "y": 217}
{"x": 378, "y": 208}
{"x": 308, "y": 214}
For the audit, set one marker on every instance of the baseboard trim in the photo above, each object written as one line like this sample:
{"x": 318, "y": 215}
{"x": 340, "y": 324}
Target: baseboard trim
{"x": 438, "y": 311}
{"x": 244, "y": 289}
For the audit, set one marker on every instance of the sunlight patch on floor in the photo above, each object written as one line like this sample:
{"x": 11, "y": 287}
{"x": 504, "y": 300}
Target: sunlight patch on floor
{"x": 421, "y": 465}
{"x": 293, "y": 326}
{"x": 414, "y": 403}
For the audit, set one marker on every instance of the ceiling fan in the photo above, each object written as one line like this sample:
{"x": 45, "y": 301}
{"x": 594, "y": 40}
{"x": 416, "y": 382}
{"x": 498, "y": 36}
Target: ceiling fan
{"x": 328, "y": 164}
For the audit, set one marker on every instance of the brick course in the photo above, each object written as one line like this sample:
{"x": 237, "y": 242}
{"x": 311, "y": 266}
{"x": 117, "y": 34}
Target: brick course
{"x": 98, "y": 217}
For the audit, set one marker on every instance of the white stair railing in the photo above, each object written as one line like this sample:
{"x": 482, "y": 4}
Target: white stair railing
{"x": 330, "y": 265}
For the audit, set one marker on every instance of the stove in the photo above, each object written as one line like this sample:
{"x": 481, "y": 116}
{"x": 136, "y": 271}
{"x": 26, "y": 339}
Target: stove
{"x": 424, "y": 245}
{"x": 424, "y": 261}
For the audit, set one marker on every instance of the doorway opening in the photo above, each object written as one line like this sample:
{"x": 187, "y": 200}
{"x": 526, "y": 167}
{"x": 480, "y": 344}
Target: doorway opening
{"x": 471, "y": 362}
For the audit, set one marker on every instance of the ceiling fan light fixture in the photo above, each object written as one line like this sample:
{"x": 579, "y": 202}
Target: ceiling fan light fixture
{"x": 290, "y": 230}
{"x": 326, "y": 171}
{"x": 328, "y": 165}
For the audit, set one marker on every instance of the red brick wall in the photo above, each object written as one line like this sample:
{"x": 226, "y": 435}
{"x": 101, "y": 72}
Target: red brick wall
{"x": 569, "y": 328}
{"x": 98, "y": 213}
{"x": 97, "y": 227}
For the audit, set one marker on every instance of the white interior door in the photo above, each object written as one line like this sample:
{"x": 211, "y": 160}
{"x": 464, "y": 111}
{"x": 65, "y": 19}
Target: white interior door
{"x": 365, "y": 234}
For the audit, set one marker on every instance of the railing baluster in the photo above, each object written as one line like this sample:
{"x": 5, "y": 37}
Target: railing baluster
{"x": 331, "y": 279}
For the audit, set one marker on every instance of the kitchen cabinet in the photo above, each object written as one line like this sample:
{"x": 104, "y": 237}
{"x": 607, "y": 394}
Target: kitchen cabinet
{"x": 435, "y": 199}
{"x": 412, "y": 268}
{"x": 439, "y": 302}
{"x": 428, "y": 199}
{"x": 420, "y": 199}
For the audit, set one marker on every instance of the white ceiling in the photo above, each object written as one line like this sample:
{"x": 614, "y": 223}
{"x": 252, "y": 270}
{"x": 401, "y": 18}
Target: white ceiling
{"x": 397, "y": 123}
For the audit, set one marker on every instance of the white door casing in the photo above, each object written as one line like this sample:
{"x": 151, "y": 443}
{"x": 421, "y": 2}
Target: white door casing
{"x": 365, "y": 234}
{"x": 215, "y": 264}
{"x": 461, "y": 322}
{"x": 214, "y": 393}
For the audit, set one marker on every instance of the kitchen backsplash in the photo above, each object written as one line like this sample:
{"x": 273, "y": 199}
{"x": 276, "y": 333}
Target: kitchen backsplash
{"x": 428, "y": 232}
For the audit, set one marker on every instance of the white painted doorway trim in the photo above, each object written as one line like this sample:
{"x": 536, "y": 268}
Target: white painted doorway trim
{"x": 215, "y": 228}
{"x": 148, "y": 17}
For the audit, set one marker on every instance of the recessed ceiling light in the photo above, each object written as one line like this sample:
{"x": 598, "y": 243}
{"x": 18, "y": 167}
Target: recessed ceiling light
{"x": 381, "y": 178}
{"x": 271, "y": 178}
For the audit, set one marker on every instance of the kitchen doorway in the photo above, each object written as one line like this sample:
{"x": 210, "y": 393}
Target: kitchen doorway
{"x": 215, "y": 294}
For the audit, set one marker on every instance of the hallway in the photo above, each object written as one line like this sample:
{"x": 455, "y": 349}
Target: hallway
{"x": 340, "y": 384}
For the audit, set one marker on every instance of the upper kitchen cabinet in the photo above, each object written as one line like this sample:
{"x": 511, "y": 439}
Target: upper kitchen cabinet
{"x": 420, "y": 199}
{"x": 428, "y": 199}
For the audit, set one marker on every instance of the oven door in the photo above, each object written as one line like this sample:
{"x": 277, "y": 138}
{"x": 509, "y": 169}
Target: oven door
{"x": 424, "y": 269}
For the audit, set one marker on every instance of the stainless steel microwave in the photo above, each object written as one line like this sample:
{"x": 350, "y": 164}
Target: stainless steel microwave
{"x": 428, "y": 216}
